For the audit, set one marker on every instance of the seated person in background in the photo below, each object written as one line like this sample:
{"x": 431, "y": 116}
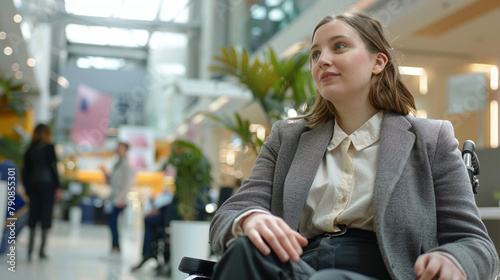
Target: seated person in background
{"x": 357, "y": 188}
{"x": 154, "y": 221}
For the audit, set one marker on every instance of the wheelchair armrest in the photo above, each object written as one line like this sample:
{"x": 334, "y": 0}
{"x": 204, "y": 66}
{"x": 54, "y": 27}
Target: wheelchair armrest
{"x": 196, "y": 266}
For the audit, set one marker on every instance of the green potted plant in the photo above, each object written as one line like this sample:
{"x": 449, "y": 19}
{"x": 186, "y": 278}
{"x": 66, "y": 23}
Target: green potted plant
{"x": 189, "y": 237}
{"x": 275, "y": 84}
{"x": 10, "y": 94}
{"x": 12, "y": 150}
{"x": 192, "y": 177}
{"x": 12, "y": 102}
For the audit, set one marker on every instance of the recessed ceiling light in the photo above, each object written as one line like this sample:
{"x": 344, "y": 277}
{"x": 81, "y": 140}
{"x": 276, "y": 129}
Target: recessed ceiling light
{"x": 7, "y": 51}
{"x": 18, "y": 18}
{"x": 31, "y": 62}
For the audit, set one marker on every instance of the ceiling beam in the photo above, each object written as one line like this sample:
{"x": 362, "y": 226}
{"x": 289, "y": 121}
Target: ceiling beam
{"x": 107, "y": 51}
{"x": 462, "y": 16}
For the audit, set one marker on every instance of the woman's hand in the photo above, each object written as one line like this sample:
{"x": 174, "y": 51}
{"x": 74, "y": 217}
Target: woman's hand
{"x": 437, "y": 266}
{"x": 262, "y": 228}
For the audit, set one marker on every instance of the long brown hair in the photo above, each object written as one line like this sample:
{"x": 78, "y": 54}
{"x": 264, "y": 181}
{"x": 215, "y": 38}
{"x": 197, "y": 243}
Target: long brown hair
{"x": 41, "y": 134}
{"x": 387, "y": 92}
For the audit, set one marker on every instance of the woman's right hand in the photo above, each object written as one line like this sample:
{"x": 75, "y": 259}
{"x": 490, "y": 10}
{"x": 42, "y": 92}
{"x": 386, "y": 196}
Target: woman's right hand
{"x": 262, "y": 228}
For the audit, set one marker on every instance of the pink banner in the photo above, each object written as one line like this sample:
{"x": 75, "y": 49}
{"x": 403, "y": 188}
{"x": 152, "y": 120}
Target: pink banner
{"x": 91, "y": 117}
{"x": 141, "y": 140}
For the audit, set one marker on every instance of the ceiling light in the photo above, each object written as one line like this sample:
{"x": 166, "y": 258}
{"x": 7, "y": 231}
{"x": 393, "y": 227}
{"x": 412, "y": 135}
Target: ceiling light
{"x": 258, "y": 12}
{"x": 494, "y": 78}
{"x": 18, "y": 18}
{"x": 272, "y": 3}
{"x": 494, "y": 124}
{"x": 3, "y": 35}
{"x": 423, "y": 84}
{"x": 413, "y": 71}
{"x": 14, "y": 67}
{"x": 63, "y": 82}
{"x": 18, "y": 75}
{"x": 416, "y": 71}
{"x": 487, "y": 68}
{"x": 31, "y": 62}
{"x": 25, "y": 88}
{"x": 276, "y": 14}
{"x": 83, "y": 62}
{"x": 7, "y": 51}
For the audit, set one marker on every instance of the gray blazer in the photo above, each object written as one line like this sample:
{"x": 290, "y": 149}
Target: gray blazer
{"x": 422, "y": 200}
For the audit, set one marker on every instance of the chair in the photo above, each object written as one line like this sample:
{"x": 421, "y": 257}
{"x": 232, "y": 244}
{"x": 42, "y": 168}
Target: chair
{"x": 203, "y": 269}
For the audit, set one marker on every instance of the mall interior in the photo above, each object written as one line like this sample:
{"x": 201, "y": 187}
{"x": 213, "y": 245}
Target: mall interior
{"x": 165, "y": 76}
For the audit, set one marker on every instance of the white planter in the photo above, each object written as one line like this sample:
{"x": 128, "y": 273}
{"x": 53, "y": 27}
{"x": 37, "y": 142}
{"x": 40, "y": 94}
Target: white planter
{"x": 187, "y": 239}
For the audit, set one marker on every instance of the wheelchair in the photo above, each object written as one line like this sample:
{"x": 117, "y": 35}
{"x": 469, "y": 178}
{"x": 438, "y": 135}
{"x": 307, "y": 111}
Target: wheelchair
{"x": 159, "y": 246}
{"x": 199, "y": 269}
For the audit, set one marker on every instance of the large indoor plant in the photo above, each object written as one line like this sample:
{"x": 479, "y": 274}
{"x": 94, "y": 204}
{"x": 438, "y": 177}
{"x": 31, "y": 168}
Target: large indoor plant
{"x": 12, "y": 102}
{"x": 11, "y": 97}
{"x": 192, "y": 179}
{"x": 276, "y": 84}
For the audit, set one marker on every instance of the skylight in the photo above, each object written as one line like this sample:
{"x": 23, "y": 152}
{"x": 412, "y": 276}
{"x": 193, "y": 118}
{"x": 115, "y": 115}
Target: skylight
{"x": 175, "y": 11}
{"x": 101, "y": 35}
{"x": 123, "y": 9}
{"x": 100, "y": 62}
{"x": 168, "y": 40}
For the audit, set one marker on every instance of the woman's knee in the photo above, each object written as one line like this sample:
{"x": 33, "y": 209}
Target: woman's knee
{"x": 242, "y": 244}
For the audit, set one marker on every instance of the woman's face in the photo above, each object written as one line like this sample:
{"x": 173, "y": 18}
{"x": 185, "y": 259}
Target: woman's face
{"x": 341, "y": 65}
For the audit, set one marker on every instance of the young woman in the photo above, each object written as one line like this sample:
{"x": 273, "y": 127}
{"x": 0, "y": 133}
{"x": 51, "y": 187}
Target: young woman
{"x": 357, "y": 189}
{"x": 41, "y": 181}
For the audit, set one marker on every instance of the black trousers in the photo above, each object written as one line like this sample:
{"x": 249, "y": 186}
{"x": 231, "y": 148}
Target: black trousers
{"x": 352, "y": 256}
{"x": 41, "y": 205}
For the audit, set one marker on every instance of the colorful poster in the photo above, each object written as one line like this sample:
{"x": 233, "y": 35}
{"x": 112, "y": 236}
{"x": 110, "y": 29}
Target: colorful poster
{"x": 141, "y": 141}
{"x": 91, "y": 117}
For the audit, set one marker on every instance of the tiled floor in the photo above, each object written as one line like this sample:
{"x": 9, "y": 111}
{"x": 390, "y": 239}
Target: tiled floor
{"x": 77, "y": 253}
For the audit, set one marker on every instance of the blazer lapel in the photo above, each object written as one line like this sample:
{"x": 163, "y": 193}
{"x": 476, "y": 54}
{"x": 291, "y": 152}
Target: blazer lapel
{"x": 396, "y": 142}
{"x": 310, "y": 151}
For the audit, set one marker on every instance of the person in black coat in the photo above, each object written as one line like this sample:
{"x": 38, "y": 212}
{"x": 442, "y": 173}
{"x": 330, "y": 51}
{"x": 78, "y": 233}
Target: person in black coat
{"x": 41, "y": 182}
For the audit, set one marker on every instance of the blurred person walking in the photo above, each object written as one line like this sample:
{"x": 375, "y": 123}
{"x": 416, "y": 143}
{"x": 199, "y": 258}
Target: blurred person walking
{"x": 120, "y": 179}
{"x": 41, "y": 182}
